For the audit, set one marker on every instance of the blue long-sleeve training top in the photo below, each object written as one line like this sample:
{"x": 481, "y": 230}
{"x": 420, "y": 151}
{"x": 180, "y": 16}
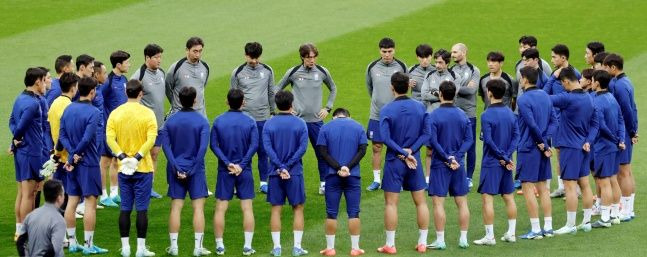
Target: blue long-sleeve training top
{"x": 451, "y": 134}
{"x": 185, "y": 138}
{"x": 285, "y": 138}
{"x": 500, "y": 133}
{"x": 78, "y": 133}
{"x": 554, "y": 85}
{"x": 54, "y": 91}
{"x": 611, "y": 122}
{"x": 623, "y": 91}
{"x": 25, "y": 123}
{"x": 234, "y": 139}
{"x": 402, "y": 125}
{"x": 537, "y": 119}
{"x": 578, "y": 123}
{"x": 343, "y": 138}
{"x": 114, "y": 93}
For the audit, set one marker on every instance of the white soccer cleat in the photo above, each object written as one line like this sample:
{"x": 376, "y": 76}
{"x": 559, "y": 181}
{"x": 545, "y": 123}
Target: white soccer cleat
{"x": 125, "y": 252}
{"x": 173, "y": 251}
{"x": 201, "y": 251}
{"x": 144, "y": 253}
{"x": 566, "y": 230}
{"x": 508, "y": 238}
{"x": 485, "y": 241}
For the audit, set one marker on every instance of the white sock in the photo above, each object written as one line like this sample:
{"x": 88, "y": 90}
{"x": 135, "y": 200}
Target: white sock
{"x": 625, "y": 205}
{"x": 597, "y": 201}
{"x": 248, "y": 239}
{"x": 276, "y": 239}
{"x": 141, "y": 244}
{"x": 390, "y": 238}
{"x": 18, "y": 228}
{"x": 605, "y": 213}
{"x": 297, "y": 238}
{"x": 104, "y": 193}
{"x": 322, "y": 184}
{"x": 198, "y": 240}
{"x": 534, "y": 225}
{"x": 330, "y": 241}
{"x": 512, "y": 227}
{"x": 560, "y": 183}
{"x": 548, "y": 184}
{"x": 440, "y": 236}
{"x": 220, "y": 243}
{"x": 615, "y": 210}
{"x": 631, "y": 204}
{"x": 125, "y": 242}
{"x": 571, "y": 217}
{"x": 354, "y": 242}
{"x": 173, "y": 237}
{"x": 463, "y": 235}
{"x": 114, "y": 191}
{"x": 88, "y": 235}
{"x": 587, "y": 216}
{"x": 422, "y": 238}
{"x": 548, "y": 223}
{"x": 376, "y": 176}
{"x": 71, "y": 236}
{"x": 427, "y": 179}
{"x": 489, "y": 231}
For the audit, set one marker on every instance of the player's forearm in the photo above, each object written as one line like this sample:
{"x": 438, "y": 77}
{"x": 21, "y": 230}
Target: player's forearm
{"x": 323, "y": 151}
{"x": 361, "y": 151}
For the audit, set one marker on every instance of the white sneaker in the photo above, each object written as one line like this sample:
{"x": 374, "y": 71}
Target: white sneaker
{"x": 173, "y": 251}
{"x": 125, "y": 252}
{"x": 144, "y": 252}
{"x": 99, "y": 206}
{"x": 566, "y": 230}
{"x": 209, "y": 193}
{"x": 201, "y": 251}
{"x": 557, "y": 193}
{"x": 78, "y": 216}
{"x": 322, "y": 190}
{"x": 80, "y": 209}
{"x": 485, "y": 241}
{"x": 508, "y": 238}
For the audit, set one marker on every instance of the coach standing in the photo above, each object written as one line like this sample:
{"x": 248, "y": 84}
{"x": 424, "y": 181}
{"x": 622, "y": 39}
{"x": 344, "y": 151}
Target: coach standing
{"x": 189, "y": 71}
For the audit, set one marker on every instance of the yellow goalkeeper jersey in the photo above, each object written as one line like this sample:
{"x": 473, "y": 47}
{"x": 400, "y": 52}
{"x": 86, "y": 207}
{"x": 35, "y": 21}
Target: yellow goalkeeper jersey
{"x": 54, "y": 118}
{"x": 132, "y": 129}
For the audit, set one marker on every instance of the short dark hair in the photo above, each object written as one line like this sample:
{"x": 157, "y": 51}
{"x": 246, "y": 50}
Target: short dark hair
{"x": 235, "y": 98}
{"x": 83, "y": 60}
{"x": 194, "y": 41}
{"x": 253, "y": 49}
{"x": 562, "y": 50}
{"x": 68, "y": 80}
{"x": 447, "y": 90}
{"x": 97, "y": 67}
{"x": 152, "y": 49}
{"x": 52, "y": 189}
{"x": 386, "y": 43}
{"x": 587, "y": 73}
{"x": 61, "y": 62}
{"x": 133, "y": 88}
{"x": 567, "y": 74}
{"x": 32, "y": 75}
{"x": 599, "y": 57}
{"x": 602, "y": 77}
{"x": 86, "y": 85}
{"x": 595, "y": 47}
{"x": 44, "y": 68}
{"x": 187, "y": 96}
{"x": 497, "y": 87}
{"x": 424, "y": 50}
{"x": 443, "y": 54}
{"x": 528, "y": 40}
{"x": 530, "y": 53}
{"x": 614, "y": 60}
{"x": 400, "y": 82}
{"x": 283, "y": 100}
{"x": 495, "y": 57}
{"x": 117, "y": 57}
{"x": 530, "y": 73}
{"x": 341, "y": 111}
{"x": 305, "y": 49}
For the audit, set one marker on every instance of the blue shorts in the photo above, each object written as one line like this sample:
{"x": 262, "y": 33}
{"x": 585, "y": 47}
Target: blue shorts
{"x": 605, "y": 165}
{"x": 243, "y": 183}
{"x": 195, "y": 185}
{"x": 443, "y": 180}
{"x": 84, "y": 181}
{"x": 135, "y": 189}
{"x": 398, "y": 176}
{"x": 574, "y": 163}
{"x": 61, "y": 175}
{"x": 624, "y": 156}
{"x": 533, "y": 166}
{"x": 373, "y": 131}
{"x": 350, "y": 187}
{"x": 496, "y": 181}
{"x": 293, "y": 188}
{"x": 27, "y": 167}
{"x": 105, "y": 149}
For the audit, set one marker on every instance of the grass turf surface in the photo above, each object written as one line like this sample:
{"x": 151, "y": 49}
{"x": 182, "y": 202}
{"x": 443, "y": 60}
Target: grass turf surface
{"x": 346, "y": 34}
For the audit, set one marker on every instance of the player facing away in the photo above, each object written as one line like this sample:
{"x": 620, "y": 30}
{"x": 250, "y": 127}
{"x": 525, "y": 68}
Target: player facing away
{"x": 190, "y": 71}
{"x": 609, "y": 141}
{"x": 578, "y": 127}
{"x": 131, "y": 131}
{"x": 537, "y": 124}
{"x": 378, "y": 83}
{"x": 234, "y": 139}
{"x": 500, "y": 133}
{"x": 342, "y": 143}
{"x": 256, "y": 80}
{"x": 623, "y": 90}
{"x": 404, "y": 131}
{"x": 78, "y": 130}
{"x": 27, "y": 143}
{"x": 184, "y": 139}
{"x": 451, "y": 137}
{"x": 285, "y": 138}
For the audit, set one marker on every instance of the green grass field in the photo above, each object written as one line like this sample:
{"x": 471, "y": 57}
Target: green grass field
{"x": 34, "y": 33}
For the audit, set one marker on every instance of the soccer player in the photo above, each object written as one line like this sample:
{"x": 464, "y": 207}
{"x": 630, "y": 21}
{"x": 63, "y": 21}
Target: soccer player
{"x": 131, "y": 131}
{"x": 27, "y": 143}
{"x": 495, "y": 65}
{"x": 599, "y": 60}
{"x": 530, "y": 42}
{"x": 48, "y": 144}
{"x": 306, "y": 80}
{"x": 537, "y": 123}
{"x": 450, "y": 138}
{"x": 500, "y": 132}
{"x": 468, "y": 75}
{"x": 432, "y": 81}
{"x": 592, "y": 48}
{"x": 609, "y": 141}
{"x": 622, "y": 89}
{"x": 78, "y": 128}
{"x": 586, "y": 80}
{"x": 285, "y": 138}
{"x": 190, "y": 71}
{"x": 234, "y": 139}
{"x": 100, "y": 76}
{"x": 419, "y": 72}
{"x": 63, "y": 64}
{"x": 256, "y": 80}
{"x": 530, "y": 57}
{"x": 578, "y": 127}
{"x": 404, "y": 131}
{"x": 185, "y": 138}
{"x": 84, "y": 65}
{"x": 342, "y": 143}
{"x": 378, "y": 83}
{"x": 152, "y": 78}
